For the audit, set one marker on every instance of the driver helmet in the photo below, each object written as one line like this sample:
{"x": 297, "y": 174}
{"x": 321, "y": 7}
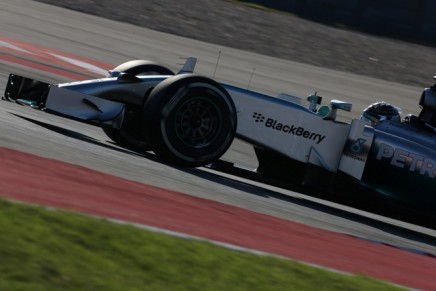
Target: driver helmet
{"x": 380, "y": 111}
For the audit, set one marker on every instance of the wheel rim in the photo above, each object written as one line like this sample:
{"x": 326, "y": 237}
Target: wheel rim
{"x": 197, "y": 122}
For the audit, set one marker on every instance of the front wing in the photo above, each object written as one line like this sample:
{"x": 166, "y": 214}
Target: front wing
{"x": 64, "y": 102}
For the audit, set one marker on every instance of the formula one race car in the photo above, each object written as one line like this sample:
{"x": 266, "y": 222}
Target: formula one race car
{"x": 190, "y": 120}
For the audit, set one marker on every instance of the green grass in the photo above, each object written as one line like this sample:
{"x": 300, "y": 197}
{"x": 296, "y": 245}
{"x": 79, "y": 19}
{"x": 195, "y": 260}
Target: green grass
{"x": 43, "y": 249}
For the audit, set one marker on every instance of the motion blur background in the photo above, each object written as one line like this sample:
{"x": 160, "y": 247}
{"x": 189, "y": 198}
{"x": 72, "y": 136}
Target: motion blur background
{"x": 407, "y": 19}
{"x": 385, "y": 39}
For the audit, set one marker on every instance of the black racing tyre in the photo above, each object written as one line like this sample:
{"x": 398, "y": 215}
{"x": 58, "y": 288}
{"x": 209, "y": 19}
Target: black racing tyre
{"x": 131, "y": 134}
{"x": 142, "y": 67}
{"x": 190, "y": 120}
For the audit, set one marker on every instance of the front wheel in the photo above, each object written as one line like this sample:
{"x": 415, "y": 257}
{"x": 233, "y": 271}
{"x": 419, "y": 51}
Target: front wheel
{"x": 141, "y": 67}
{"x": 190, "y": 120}
{"x": 131, "y": 134}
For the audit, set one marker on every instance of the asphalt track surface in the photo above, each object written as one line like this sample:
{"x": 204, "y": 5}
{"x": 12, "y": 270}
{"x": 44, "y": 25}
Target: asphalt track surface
{"x": 54, "y": 31}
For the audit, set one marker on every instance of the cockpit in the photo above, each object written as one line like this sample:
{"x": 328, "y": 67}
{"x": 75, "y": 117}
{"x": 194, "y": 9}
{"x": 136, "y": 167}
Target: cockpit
{"x": 428, "y": 105}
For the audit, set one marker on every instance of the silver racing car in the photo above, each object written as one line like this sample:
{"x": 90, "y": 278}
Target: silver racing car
{"x": 190, "y": 120}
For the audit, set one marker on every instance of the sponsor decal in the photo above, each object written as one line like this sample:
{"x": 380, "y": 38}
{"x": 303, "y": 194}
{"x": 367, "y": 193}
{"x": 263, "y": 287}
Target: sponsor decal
{"x": 357, "y": 146}
{"x": 299, "y": 131}
{"x": 407, "y": 160}
{"x": 356, "y": 149}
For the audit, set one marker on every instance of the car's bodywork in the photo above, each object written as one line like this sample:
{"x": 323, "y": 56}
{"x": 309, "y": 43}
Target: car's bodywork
{"x": 191, "y": 120}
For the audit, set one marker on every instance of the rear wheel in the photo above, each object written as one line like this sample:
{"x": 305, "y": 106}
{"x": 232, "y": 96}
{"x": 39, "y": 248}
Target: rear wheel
{"x": 190, "y": 120}
{"x": 131, "y": 134}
